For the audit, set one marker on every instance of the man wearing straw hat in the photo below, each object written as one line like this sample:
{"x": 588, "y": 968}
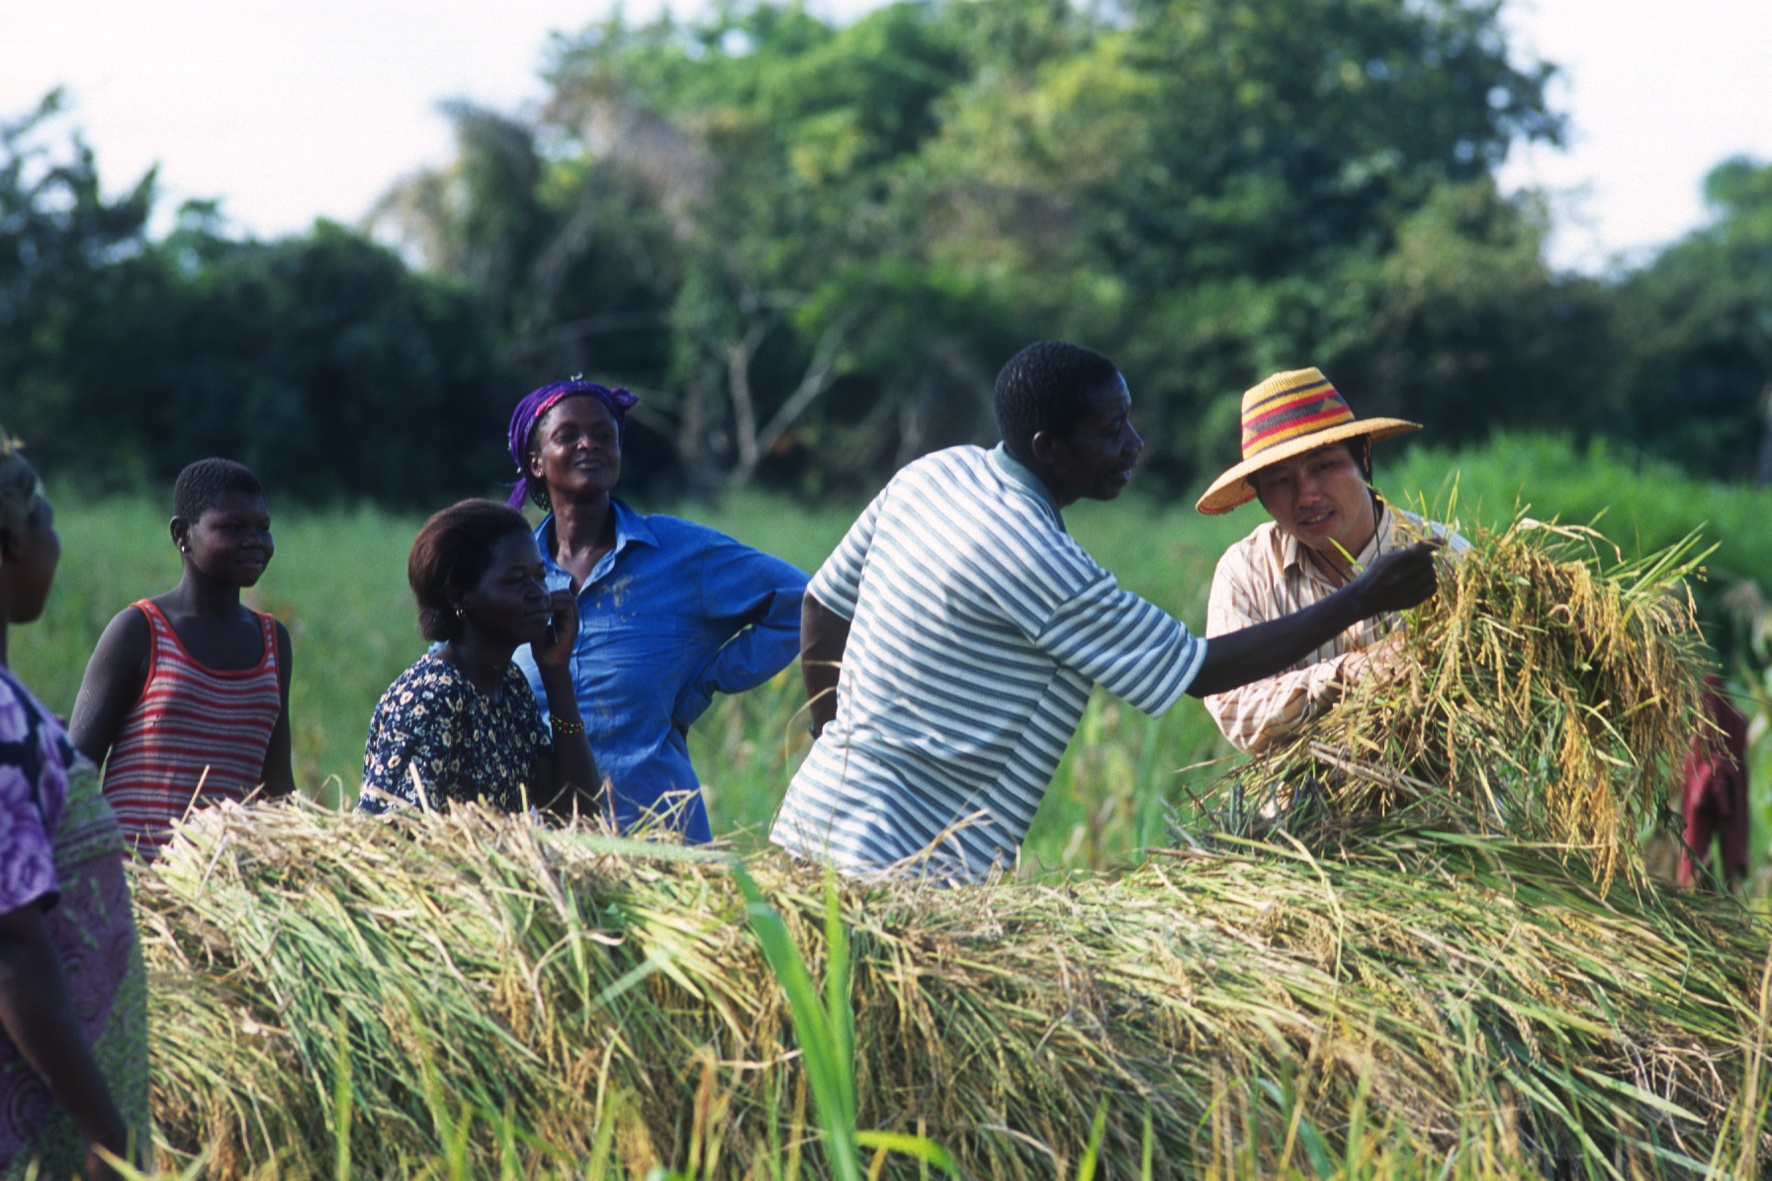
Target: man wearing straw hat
{"x": 950, "y": 643}
{"x": 1309, "y": 461}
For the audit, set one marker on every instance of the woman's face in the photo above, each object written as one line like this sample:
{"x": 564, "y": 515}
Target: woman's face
{"x": 231, "y": 541}
{"x": 510, "y": 602}
{"x": 28, "y": 561}
{"x": 576, "y": 449}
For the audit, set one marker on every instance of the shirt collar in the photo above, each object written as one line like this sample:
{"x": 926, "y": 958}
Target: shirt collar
{"x": 630, "y": 526}
{"x": 1017, "y": 472}
{"x": 1292, "y": 552}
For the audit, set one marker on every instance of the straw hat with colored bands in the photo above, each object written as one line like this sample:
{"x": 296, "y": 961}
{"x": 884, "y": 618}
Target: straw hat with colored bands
{"x": 1286, "y": 415}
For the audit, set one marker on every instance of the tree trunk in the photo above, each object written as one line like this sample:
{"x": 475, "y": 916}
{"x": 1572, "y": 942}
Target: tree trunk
{"x": 820, "y": 375}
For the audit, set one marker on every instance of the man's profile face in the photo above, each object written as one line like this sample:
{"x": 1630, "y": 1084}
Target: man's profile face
{"x": 1094, "y": 459}
{"x": 1320, "y": 498}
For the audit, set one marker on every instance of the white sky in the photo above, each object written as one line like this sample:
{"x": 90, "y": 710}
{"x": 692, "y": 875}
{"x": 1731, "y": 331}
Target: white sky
{"x": 1658, "y": 92}
{"x": 292, "y": 109}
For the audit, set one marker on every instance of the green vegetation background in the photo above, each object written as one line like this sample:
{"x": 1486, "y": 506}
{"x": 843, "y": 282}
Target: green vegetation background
{"x": 338, "y": 580}
{"x": 809, "y": 245}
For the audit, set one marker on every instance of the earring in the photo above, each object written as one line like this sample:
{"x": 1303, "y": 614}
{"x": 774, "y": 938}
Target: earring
{"x": 460, "y": 614}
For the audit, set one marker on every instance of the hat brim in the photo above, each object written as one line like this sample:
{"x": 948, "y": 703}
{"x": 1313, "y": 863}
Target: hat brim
{"x": 1233, "y": 489}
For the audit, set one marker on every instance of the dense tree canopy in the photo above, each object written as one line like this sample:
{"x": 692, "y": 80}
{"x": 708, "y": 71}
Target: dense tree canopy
{"x": 808, "y": 246}
{"x": 1696, "y": 385}
{"x": 320, "y": 360}
{"x": 850, "y": 227}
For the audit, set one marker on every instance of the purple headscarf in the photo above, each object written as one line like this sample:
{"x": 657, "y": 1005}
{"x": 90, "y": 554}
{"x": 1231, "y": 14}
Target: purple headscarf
{"x": 538, "y": 402}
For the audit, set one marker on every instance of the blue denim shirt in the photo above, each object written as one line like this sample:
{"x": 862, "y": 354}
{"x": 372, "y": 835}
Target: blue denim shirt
{"x": 675, "y": 613}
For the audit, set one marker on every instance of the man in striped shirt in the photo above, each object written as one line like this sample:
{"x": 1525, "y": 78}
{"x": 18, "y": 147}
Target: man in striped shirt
{"x": 950, "y": 643}
{"x": 1309, "y": 461}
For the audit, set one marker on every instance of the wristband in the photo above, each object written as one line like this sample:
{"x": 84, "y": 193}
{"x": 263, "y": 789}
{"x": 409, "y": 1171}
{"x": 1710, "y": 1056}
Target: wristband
{"x": 562, "y": 726}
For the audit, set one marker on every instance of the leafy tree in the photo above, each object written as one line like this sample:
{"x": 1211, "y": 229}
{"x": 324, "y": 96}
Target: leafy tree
{"x": 71, "y": 265}
{"x": 810, "y": 246}
{"x": 1214, "y": 190}
{"x": 332, "y": 371}
{"x": 862, "y": 222}
{"x": 1696, "y": 336}
{"x": 320, "y": 360}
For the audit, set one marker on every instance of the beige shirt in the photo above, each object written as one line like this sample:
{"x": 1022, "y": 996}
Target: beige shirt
{"x": 1269, "y": 574}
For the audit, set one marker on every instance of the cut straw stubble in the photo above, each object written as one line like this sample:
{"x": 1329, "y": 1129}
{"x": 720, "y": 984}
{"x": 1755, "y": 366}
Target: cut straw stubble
{"x": 536, "y": 983}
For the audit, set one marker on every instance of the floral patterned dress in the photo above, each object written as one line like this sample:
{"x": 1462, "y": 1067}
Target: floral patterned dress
{"x": 460, "y": 743}
{"x": 61, "y": 849}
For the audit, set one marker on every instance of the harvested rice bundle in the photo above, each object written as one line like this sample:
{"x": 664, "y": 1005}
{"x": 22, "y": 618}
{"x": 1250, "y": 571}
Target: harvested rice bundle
{"x": 466, "y": 994}
{"x": 1543, "y": 695}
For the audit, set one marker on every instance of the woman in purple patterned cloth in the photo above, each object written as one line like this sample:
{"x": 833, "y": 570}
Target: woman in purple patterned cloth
{"x": 73, "y": 993}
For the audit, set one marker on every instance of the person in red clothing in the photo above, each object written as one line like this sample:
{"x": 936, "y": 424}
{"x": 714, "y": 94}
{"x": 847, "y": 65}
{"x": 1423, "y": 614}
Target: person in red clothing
{"x": 1715, "y": 775}
{"x": 186, "y": 698}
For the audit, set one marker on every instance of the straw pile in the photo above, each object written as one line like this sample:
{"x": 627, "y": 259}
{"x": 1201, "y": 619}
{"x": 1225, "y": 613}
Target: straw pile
{"x": 1542, "y": 695}
{"x": 468, "y": 994}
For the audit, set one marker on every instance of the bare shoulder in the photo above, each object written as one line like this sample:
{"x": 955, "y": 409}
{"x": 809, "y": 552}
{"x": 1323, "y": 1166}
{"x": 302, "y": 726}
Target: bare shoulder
{"x": 127, "y": 633}
{"x": 113, "y": 683}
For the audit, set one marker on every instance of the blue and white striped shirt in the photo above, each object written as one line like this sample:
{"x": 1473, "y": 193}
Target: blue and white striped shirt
{"x": 978, "y": 626}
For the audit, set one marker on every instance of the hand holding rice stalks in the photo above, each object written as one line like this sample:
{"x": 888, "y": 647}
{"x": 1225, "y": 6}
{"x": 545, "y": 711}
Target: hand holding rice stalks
{"x": 1543, "y": 695}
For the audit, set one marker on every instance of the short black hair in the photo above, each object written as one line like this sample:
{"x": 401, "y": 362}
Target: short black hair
{"x": 1043, "y": 387}
{"x": 202, "y": 485}
{"x": 451, "y": 554}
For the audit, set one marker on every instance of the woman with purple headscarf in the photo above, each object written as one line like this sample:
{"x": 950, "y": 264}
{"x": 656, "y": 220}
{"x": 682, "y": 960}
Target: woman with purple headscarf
{"x": 670, "y": 612}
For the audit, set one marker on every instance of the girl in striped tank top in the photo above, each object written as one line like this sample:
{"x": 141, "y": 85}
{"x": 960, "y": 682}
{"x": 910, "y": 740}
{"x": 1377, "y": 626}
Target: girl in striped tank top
{"x": 186, "y": 698}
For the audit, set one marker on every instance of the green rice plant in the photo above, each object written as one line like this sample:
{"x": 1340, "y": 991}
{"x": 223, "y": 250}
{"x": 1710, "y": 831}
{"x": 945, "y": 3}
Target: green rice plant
{"x": 1548, "y": 693}
{"x": 514, "y": 996}
{"x": 826, "y": 1033}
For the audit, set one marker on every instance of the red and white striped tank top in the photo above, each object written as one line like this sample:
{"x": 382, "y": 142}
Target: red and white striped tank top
{"x": 198, "y": 735}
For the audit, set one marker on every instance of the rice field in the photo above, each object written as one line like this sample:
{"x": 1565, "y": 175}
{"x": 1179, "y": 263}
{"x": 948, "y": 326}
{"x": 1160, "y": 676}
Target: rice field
{"x": 339, "y": 582}
{"x": 1353, "y": 995}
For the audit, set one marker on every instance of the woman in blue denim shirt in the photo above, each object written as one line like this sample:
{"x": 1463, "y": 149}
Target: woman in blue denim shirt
{"x": 670, "y": 612}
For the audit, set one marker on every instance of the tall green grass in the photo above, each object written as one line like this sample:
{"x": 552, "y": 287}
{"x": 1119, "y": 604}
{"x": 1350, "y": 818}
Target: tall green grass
{"x": 1642, "y": 505}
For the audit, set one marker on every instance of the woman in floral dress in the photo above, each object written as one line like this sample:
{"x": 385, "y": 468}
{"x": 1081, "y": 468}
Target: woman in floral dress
{"x": 461, "y": 723}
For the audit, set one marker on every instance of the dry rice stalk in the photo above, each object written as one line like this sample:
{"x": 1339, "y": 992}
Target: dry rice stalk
{"x": 518, "y": 1000}
{"x": 1542, "y": 695}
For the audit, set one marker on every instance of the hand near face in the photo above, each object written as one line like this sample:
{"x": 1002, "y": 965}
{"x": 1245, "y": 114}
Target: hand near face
{"x": 1400, "y": 579}
{"x": 555, "y": 649}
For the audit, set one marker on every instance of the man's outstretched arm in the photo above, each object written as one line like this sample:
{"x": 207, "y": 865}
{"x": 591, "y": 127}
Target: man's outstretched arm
{"x": 1395, "y": 581}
